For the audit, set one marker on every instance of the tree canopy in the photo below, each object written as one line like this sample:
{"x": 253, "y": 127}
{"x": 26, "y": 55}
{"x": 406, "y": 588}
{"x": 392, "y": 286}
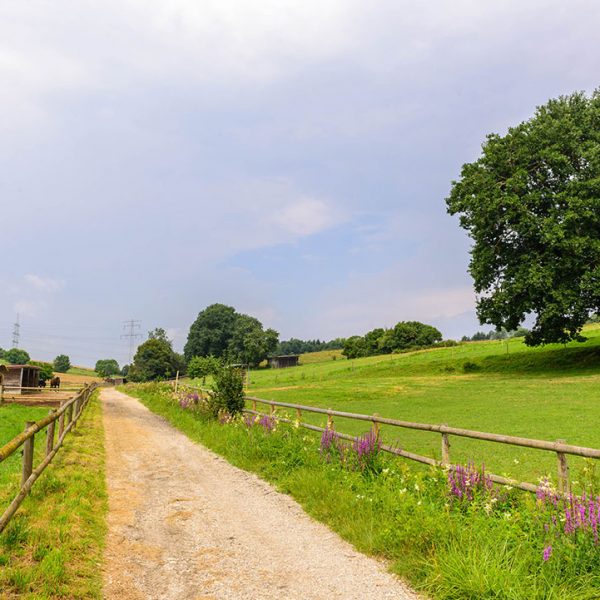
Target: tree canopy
{"x": 200, "y": 367}
{"x": 296, "y": 346}
{"x": 211, "y": 332}
{"x": 221, "y": 332}
{"x": 403, "y": 336}
{"x": 531, "y": 204}
{"x": 16, "y": 356}
{"x": 155, "y": 359}
{"x": 62, "y": 363}
{"x": 106, "y": 367}
{"x": 249, "y": 343}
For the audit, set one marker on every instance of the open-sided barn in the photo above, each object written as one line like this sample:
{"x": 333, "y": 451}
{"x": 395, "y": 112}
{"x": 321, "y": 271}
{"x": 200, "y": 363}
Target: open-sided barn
{"x": 17, "y": 377}
{"x": 283, "y": 362}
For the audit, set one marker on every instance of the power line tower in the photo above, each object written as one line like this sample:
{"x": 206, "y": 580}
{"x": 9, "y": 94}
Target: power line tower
{"x": 131, "y": 327}
{"x": 16, "y": 333}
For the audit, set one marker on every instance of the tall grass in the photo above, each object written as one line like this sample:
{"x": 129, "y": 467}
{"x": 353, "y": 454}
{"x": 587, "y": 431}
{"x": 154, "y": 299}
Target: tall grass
{"x": 487, "y": 546}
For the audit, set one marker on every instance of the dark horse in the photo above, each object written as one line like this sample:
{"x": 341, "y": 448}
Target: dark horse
{"x": 42, "y": 383}
{"x": 55, "y": 382}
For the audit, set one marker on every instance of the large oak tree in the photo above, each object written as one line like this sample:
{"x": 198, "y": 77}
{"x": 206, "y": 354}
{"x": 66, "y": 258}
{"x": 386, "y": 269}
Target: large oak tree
{"x": 531, "y": 204}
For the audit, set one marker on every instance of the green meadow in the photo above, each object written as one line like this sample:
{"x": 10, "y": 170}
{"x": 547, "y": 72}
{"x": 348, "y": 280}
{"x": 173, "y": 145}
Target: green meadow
{"x": 550, "y": 393}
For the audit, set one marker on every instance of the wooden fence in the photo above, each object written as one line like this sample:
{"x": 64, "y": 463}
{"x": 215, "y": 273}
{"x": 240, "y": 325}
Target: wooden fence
{"x": 558, "y": 447}
{"x": 67, "y": 416}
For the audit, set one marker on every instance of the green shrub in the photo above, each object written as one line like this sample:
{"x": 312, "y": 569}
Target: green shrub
{"x": 200, "y": 367}
{"x": 469, "y": 367}
{"x": 16, "y": 356}
{"x": 228, "y": 391}
{"x": 62, "y": 363}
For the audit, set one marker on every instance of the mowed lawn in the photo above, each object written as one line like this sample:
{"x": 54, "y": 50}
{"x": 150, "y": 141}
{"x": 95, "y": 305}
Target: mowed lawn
{"x": 498, "y": 386}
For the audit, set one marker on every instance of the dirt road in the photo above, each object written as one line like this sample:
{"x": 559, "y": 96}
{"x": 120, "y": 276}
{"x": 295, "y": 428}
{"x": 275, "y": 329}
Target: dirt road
{"x": 184, "y": 523}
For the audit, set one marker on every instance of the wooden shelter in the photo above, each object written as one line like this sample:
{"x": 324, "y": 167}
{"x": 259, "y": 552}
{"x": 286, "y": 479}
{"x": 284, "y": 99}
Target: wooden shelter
{"x": 283, "y": 362}
{"x": 17, "y": 377}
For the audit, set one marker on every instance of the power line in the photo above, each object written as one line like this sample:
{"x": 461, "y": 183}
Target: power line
{"x": 16, "y": 333}
{"x": 132, "y": 325}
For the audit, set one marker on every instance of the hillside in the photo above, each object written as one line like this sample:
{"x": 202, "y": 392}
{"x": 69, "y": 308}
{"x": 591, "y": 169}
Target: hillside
{"x": 497, "y": 386}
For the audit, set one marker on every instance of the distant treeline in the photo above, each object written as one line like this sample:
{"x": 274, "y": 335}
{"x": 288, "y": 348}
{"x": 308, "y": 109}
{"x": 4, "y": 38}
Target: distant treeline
{"x": 296, "y": 346}
{"x": 405, "y": 335}
{"x": 480, "y": 336}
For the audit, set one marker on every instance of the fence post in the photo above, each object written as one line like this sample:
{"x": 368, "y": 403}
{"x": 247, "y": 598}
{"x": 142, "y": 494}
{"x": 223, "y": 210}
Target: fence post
{"x": 77, "y": 408}
{"x": 563, "y": 471}
{"x": 61, "y": 421}
{"x": 254, "y": 405}
{"x": 445, "y": 448}
{"x": 50, "y": 435}
{"x": 299, "y": 415}
{"x": 1, "y": 394}
{"x": 376, "y": 426}
{"x": 272, "y": 409}
{"x": 176, "y": 381}
{"x": 329, "y": 420}
{"x": 27, "y": 456}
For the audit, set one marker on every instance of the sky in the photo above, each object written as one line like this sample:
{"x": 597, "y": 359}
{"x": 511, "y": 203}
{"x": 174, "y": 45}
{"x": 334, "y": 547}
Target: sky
{"x": 288, "y": 158}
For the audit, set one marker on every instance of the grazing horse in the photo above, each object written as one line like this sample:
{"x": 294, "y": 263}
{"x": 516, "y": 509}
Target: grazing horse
{"x": 42, "y": 383}
{"x": 55, "y": 382}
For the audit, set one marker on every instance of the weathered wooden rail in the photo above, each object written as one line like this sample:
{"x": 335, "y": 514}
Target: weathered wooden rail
{"x": 559, "y": 447}
{"x": 66, "y": 416}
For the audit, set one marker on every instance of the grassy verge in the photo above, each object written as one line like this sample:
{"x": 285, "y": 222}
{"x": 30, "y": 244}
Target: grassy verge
{"x": 489, "y": 547}
{"x": 53, "y": 546}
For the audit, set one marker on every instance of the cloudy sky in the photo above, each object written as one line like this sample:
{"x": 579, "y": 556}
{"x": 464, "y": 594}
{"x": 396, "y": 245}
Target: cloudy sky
{"x": 290, "y": 158}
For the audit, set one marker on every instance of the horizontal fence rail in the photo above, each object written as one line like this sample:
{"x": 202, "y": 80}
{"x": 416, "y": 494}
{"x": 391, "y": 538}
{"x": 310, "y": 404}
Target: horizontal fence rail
{"x": 66, "y": 417}
{"x": 559, "y": 447}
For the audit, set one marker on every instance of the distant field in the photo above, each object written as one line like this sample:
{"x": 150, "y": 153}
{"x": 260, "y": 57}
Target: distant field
{"x": 496, "y": 386}
{"x": 322, "y": 356}
{"x": 81, "y": 372}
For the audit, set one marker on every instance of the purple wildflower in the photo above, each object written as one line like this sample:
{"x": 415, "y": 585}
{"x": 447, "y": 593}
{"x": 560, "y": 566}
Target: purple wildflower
{"x": 367, "y": 448}
{"x": 547, "y": 552}
{"x": 331, "y": 445}
{"x": 249, "y": 420}
{"x": 267, "y": 423}
{"x": 465, "y": 482}
{"x": 576, "y": 517}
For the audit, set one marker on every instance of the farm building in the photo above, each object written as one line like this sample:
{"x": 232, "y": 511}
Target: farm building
{"x": 16, "y": 377}
{"x": 283, "y": 362}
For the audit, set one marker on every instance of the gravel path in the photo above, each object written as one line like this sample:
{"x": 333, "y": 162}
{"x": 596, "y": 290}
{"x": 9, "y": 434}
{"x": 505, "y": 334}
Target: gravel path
{"x": 184, "y": 523}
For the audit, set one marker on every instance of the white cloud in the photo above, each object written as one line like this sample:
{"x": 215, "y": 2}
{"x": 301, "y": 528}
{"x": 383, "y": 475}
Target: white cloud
{"x": 43, "y": 284}
{"x": 257, "y": 213}
{"x": 305, "y": 216}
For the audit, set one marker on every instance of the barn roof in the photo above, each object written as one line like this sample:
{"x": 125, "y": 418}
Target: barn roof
{"x": 15, "y": 367}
